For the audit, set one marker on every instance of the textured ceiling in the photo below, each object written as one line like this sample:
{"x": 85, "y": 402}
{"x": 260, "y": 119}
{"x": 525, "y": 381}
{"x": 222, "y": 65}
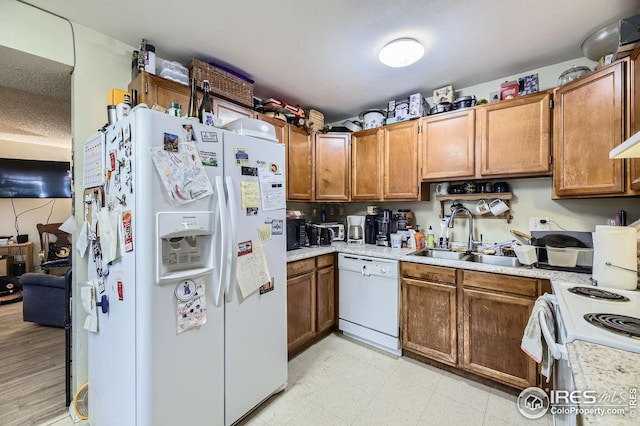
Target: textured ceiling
{"x": 323, "y": 54}
{"x": 36, "y": 97}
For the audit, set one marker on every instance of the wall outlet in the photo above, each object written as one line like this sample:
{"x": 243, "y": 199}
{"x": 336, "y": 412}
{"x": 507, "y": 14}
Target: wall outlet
{"x": 538, "y": 224}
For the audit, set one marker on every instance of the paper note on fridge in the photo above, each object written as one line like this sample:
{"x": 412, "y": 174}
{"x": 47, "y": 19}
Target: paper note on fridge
{"x": 182, "y": 173}
{"x": 249, "y": 194}
{"x": 252, "y": 271}
{"x": 272, "y": 189}
{"x": 109, "y": 237}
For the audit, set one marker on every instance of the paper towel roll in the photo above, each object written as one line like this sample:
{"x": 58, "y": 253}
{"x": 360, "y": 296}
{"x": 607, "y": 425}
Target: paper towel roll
{"x": 616, "y": 245}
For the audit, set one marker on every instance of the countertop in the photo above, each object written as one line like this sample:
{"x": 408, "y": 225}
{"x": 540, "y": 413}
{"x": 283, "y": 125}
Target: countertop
{"x": 403, "y": 255}
{"x": 595, "y": 367}
{"x": 613, "y": 373}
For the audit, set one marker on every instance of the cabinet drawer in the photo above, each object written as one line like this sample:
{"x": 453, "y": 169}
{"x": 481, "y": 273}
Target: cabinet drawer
{"x": 505, "y": 283}
{"x": 324, "y": 260}
{"x": 428, "y": 272}
{"x": 300, "y": 267}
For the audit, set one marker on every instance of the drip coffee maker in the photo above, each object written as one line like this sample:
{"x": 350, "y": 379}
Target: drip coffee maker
{"x": 355, "y": 232}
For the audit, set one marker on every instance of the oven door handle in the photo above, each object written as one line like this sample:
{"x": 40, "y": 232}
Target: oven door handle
{"x": 558, "y": 351}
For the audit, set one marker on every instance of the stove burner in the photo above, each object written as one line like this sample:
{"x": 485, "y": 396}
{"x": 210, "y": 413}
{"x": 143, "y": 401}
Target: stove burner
{"x": 622, "y": 324}
{"x": 597, "y": 293}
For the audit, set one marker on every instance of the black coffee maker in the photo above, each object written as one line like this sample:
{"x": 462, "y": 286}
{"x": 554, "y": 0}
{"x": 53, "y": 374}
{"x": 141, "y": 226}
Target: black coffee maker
{"x": 370, "y": 228}
{"x": 384, "y": 228}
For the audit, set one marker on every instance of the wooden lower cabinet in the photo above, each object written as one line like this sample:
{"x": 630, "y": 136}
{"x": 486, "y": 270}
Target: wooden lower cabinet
{"x": 470, "y": 320}
{"x": 310, "y": 300}
{"x": 495, "y": 311}
{"x": 429, "y": 312}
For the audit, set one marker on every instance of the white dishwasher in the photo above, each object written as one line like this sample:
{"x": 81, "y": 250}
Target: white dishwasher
{"x": 369, "y": 300}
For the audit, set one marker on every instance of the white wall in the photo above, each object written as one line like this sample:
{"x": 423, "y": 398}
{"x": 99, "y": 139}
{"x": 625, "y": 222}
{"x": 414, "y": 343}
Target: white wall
{"x": 101, "y": 63}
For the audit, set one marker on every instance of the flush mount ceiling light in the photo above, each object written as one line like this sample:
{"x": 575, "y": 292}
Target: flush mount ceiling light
{"x": 401, "y": 53}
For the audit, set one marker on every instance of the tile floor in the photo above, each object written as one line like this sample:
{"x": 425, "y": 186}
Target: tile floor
{"x": 342, "y": 382}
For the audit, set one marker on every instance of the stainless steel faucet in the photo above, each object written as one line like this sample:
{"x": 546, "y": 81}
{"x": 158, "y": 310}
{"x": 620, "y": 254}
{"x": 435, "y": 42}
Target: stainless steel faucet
{"x": 465, "y": 210}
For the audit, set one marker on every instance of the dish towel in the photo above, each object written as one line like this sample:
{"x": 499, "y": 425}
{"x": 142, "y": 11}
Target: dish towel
{"x": 533, "y": 342}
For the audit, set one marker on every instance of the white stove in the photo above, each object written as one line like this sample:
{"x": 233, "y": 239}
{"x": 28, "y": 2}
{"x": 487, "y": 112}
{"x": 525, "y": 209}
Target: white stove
{"x": 573, "y": 307}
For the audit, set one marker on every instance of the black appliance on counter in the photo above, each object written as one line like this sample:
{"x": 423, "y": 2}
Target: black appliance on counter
{"x": 296, "y": 233}
{"x": 370, "y": 228}
{"x": 384, "y": 228}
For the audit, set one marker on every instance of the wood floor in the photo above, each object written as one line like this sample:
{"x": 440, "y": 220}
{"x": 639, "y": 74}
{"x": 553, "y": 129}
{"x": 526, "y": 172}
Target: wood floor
{"x": 31, "y": 370}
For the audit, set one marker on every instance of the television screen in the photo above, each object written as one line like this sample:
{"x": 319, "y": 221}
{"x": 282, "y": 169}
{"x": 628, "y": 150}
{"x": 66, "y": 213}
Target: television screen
{"x": 34, "y": 179}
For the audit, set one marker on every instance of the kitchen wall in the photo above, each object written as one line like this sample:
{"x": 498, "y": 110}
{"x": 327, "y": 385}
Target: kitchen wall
{"x": 100, "y": 63}
{"x": 532, "y": 197}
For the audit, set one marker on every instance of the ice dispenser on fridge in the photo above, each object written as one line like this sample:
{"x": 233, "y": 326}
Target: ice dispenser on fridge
{"x": 185, "y": 243}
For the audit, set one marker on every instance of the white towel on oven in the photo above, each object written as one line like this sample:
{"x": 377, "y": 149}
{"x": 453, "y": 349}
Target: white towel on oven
{"x": 533, "y": 342}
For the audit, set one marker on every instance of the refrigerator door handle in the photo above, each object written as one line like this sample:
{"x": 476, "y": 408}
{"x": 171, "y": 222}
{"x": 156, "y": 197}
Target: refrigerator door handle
{"x": 233, "y": 254}
{"x": 221, "y": 235}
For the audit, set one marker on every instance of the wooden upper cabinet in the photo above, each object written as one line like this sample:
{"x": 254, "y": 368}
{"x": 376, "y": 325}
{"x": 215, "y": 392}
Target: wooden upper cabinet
{"x": 332, "y": 166}
{"x": 589, "y": 121}
{"x": 226, "y": 111}
{"x": 157, "y": 90}
{"x": 448, "y": 146}
{"x": 366, "y": 165}
{"x": 299, "y": 165}
{"x": 400, "y": 162}
{"x": 281, "y": 127}
{"x": 514, "y": 137}
{"x": 634, "y": 163}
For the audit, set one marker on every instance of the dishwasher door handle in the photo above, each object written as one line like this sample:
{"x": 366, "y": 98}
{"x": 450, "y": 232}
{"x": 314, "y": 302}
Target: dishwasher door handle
{"x": 364, "y": 271}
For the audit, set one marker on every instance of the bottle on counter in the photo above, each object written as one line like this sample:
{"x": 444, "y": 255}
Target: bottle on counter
{"x": 192, "y": 114}
{"x": 420, "y": 240}
{"x": 431, "y": 240}
{"x": 205, "y": 112}
{"x": 411, "y": 241}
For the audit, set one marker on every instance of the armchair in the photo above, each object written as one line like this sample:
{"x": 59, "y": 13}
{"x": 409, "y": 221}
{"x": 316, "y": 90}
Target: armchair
{"x": 55, "y": 247}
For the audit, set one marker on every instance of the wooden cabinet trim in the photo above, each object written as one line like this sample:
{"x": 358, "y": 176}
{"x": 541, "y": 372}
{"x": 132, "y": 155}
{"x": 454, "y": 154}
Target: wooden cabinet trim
{"x": 528, "y": 287}
{"x": 300, "y": 267}
{"x": 437, "y": 274}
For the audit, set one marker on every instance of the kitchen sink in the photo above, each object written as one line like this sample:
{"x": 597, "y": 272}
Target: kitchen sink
{"x": 493, "y": 260}
{"x": 441, "y": 254}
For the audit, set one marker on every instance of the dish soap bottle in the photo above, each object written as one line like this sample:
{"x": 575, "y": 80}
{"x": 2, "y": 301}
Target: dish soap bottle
{"x": 430, "y": 238}
{"x": 419, "y": 236}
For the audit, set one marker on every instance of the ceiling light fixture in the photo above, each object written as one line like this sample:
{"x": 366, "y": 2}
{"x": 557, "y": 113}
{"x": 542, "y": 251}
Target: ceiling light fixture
{"x": 401, "y": 52}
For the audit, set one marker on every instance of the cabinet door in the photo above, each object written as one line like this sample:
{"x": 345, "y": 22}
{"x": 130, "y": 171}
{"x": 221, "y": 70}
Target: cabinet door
{"x": 400, "y": 179}
{"x": 515, "y": 137}
{"x": 301, "y": 301}
{"x": 366, "y": 165}
{"x": 226, "y": 111}
{"x": 429, "y": 319}
{"x": 299, "y": 165}
{"x": 588, "y": 123}
{"x": 157, "y": 90}
{"x": 325, "y": 298}
{"x": 634, "y": 163}
{"x": 448, "y": 146}
{"x": 281, "y": 127}
{"x": 332, "y": 165}
{"x": 492, "y": 325}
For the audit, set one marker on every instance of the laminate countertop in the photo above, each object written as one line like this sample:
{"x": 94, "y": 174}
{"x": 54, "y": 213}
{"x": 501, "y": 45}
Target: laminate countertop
{"x": 613, "y": 374}
{"x": 403, "y": 255}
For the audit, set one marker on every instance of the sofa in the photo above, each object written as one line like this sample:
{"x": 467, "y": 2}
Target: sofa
{"x": 45, "y": 298}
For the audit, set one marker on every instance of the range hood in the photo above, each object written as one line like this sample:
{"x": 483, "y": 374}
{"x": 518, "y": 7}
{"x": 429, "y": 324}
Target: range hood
{"x": 627, "y": 149}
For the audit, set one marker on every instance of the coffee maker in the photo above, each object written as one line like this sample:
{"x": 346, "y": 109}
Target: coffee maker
{"x": 384, "y": 228}
{"x": 355, "y": 230}
{"x": 370, "y": 228}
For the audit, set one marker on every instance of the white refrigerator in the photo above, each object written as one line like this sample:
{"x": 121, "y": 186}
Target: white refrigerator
{"x": 187, "y": 268}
